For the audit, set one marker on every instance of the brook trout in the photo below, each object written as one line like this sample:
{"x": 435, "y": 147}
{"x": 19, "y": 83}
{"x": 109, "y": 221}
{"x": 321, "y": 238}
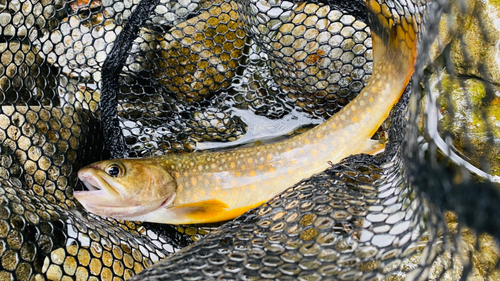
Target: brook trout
{"x": 206, "y": 187}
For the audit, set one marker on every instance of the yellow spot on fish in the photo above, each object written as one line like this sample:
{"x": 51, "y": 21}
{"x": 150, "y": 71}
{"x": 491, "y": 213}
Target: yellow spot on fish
{"x": 253, "y": 173}
{"x": 354, "y": 119}
{"x": 233, "y": 165}
{"x": 319, "y": 136}
{"x": 235, "y": 192}
{"x": 315, "y": 152}
{"x": 334, "y": 125}
{"x": 177, "y": 175}
{"x": 202, "y": 193}
{"x": 188, "y": 193}
{"x": 362, "y": 102}
{"x": 238, "y": 174}
{"x": 261, "y": 167}
{"x": 250, "y": 160}
{"x": 290, "y": 171}
{"x": 217, "y": 180}
{"x": 306, "y": 141}
{"x": 269, "y": 156}
{"x": 212, "y": 193}
{"x": 224, "y": 193}
{"x": 193, "y": 181}
{"x": 282, "y": 177}
{"x": 195, "y": 198}
{"x": 252, "y": 187}
{"x": 185, "y": 174}
{"x": 294, "y": 161}
{"x": 179, "y": 187}
{"x": 272, "y": 170}
{"x": 342, "y": 117}
{"x": 323, "y": 147}
{"x": 206, "y": 181}
{"x": 266, "y": 183}
{"x": 371, "y": 99}
{"x": 243, "y": 167}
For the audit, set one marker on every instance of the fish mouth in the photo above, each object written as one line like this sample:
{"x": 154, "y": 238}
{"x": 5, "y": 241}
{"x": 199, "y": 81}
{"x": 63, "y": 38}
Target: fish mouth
{"x": 95, "y": 183}
{"x": 91, "y": 186}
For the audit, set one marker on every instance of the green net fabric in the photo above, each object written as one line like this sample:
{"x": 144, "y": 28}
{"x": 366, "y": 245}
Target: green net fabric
{"x": 82, "y": 81}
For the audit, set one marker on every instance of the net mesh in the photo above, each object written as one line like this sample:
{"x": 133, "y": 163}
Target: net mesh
{"x": 82, "y": 81}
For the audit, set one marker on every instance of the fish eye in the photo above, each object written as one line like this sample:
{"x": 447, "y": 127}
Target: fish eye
{"x": 115, "y": 170}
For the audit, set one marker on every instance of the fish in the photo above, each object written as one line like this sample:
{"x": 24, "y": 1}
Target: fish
{"x": 206, "y": 187}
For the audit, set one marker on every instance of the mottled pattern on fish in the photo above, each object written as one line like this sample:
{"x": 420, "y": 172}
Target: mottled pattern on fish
{"x": 218, "y": 186}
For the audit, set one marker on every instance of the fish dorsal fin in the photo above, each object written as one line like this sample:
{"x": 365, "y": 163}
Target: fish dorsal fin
{"x": 201, "y": 211}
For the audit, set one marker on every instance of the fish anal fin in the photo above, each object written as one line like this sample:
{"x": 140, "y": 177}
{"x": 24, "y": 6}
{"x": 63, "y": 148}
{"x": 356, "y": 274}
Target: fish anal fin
{"x": 201, "y": 211}
{"x": 373, "y": 147}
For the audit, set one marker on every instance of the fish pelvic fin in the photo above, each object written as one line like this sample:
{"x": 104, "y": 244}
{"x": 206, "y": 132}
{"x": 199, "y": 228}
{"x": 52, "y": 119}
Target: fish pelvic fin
{"x": 394, "y": 43}
{"x": 200, "y": 212}
{"x": 373, "y": 147}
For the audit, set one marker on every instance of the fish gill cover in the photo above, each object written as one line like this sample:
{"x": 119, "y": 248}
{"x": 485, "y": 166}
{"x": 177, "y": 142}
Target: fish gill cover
{"x": 82, "y": 81}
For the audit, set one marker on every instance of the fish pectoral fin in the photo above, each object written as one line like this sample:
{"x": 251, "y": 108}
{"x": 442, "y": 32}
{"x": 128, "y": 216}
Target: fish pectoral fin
{"x": 373, "y": 147}
{"x": 201, "y": 211}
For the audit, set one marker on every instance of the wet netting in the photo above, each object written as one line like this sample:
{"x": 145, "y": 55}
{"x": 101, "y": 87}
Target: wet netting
{"x": 82, "y": 81}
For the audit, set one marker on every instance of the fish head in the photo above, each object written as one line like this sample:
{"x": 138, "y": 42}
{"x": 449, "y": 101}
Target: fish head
{"x": 125, "y": 188}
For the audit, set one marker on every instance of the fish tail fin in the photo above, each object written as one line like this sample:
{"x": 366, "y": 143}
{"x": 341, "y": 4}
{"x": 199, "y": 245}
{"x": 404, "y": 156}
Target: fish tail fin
{"x": 394, "y": 43}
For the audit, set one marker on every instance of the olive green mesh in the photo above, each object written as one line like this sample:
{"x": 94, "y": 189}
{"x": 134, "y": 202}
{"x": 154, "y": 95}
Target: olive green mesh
{"x": 84, "y": 80}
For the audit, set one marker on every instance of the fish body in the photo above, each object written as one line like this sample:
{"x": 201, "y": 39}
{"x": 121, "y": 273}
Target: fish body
{"x": 208, "y": 187}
